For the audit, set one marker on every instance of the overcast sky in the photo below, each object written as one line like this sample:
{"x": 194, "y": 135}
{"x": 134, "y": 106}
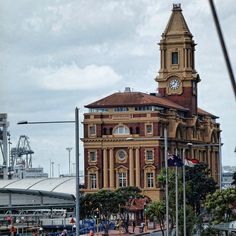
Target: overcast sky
{"x": 59, "y": 54}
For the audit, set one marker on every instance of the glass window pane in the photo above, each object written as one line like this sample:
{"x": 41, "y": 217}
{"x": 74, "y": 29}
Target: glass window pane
{"x": 175, "y": 59}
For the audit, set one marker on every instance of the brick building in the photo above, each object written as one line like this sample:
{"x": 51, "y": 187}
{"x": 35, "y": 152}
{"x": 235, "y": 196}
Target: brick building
{"x": 123, "y": 132}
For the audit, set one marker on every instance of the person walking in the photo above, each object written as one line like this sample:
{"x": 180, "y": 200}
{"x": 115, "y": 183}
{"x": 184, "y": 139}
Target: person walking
{"x": 133, "y": 226}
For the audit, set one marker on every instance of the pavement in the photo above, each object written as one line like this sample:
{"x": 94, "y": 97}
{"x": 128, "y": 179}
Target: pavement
{"x": 136, "y": 232}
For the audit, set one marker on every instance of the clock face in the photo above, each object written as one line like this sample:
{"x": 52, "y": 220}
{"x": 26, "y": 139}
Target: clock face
{"x": 174, "y": 83}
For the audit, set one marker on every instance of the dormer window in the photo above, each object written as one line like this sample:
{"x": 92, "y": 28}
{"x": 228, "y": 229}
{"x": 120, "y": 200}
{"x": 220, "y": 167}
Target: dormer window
{"x": 175, "y": 58}
{"x": 121, "y": 130}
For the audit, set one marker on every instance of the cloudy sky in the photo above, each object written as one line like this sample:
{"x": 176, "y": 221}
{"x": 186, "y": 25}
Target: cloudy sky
{"x": 59, "y": 54}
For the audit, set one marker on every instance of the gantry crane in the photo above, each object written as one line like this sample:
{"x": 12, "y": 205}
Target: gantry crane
{"x": 22, "y": 153}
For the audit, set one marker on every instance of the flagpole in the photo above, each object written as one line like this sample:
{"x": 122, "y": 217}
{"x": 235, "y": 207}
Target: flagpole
{"x": 220, "y": 160}
{"x": 167, "y": 194}
{"x": 184, "y": 193}
{"x": 176, "y": 200}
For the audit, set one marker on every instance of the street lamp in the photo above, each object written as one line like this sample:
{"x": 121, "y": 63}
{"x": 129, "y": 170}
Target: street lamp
{"x": 52, "y": 164}
{"x": 69, "y": 150}
{"x": 76, "y": 122}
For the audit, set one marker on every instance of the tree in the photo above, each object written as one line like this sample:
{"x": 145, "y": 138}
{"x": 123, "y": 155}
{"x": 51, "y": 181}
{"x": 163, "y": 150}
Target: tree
{"x": 124, "y": 196}
{"x": 157, "y": 210}
{"x": 198, "y": 185}
{"x": 191, "y": 220}
{"x": 171, "y": 190}
{"x": 106, "y": 203}
{"x": 220, "y": 205}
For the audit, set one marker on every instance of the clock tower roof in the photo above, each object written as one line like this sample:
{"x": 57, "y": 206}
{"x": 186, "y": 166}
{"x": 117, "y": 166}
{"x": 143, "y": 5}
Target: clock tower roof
{"x": 177, "y": 24}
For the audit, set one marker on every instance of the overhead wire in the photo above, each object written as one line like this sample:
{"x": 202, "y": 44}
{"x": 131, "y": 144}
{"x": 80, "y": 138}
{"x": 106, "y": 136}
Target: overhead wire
{"x": 223, "y": 46}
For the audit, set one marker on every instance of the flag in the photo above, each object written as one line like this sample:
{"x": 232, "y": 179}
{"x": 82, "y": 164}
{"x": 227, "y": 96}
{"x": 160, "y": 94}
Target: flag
{"x": 174, "y": 160}
{"x": 191, "y": 162}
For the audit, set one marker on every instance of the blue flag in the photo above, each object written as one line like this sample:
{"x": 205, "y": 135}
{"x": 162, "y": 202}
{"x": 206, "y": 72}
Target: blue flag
{"x": 174, "y": 160}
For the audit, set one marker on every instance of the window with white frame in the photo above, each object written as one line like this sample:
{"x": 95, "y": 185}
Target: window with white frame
{"x": 149, "y": 155}
{"x": 92, "y": 130}
{"x": 122, "y": 179}
{"x": 149, "y": 129}
{"x": 150, "y": 180}
{"x": 121, "y": 130}
{"x": 93, "y": 181}
{"x": 92, "y": 156}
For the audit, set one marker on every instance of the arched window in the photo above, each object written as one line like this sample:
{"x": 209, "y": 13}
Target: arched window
{"x": 149, "y": 177}
{"x": 122, "y": 177}
{"x": 121, "y": 130}
{"x": 93, "y": 178}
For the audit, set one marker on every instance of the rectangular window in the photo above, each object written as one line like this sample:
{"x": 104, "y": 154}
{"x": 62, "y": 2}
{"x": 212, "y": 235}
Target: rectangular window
{"x": 92, "y": 130}
{"x": 150, "y": 180}
{"x": 93, "y": 181}
{"x": 122, "y": 179}
{"x": 92, "y": 156}
{"x": 149, "y": 155}
{"x": 175, "y": 58}
{"x": 149, "y": 129}
{"x": 118, "y": 109}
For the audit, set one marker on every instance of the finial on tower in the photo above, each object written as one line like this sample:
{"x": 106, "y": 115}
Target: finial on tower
{"x": 176, "y": 6}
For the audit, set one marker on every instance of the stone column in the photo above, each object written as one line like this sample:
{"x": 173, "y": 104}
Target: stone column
{"x": 189, "y": 64}
{"x": 185, "y": 58}
{"x": 105, "y": 168}
{"x": 111, "y": 168}
{"x": 131, "y": 167}
{"x": 137, "y": 165}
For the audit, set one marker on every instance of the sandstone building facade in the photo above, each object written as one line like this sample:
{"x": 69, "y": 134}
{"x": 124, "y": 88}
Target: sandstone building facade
{"x": 123, "y": 132}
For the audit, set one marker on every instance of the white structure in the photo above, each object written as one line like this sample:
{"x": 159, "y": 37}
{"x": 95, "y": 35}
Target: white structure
{"x": 37, "y": 193}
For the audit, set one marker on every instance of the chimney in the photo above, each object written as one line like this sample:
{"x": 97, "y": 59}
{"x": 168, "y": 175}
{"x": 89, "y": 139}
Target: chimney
{"x": 127, "y": 90}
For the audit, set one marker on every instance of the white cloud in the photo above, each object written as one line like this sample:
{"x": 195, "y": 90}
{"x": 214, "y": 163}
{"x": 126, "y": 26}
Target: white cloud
{"x": 72, "y": 77}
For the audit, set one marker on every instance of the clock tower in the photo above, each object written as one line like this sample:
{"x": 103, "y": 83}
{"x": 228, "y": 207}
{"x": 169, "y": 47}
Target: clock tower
{"x": 177, "y": 79}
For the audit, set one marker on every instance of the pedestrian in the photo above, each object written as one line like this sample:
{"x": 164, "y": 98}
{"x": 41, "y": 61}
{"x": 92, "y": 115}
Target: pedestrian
{"x": 142, "y": 227}
{"x": 91, "y": 232}
{"x": 133, "y": 226}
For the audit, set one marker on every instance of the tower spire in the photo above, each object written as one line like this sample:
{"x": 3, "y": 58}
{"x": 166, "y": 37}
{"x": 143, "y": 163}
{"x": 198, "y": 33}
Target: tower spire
{"x": 177, "y": 24}
{"x": 177, "y": 79}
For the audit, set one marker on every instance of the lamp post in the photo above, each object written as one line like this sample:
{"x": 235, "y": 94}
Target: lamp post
{"x": 97, "y": 217}
{"x": 76, "y": 122}
{"x": 52, "y": 164}
{"x": 69, "y": 150}
{"x": 59, "y": 167}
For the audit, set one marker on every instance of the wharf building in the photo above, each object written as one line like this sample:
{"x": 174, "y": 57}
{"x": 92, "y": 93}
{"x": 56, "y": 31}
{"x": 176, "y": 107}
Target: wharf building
{"x": 123, "y": 132}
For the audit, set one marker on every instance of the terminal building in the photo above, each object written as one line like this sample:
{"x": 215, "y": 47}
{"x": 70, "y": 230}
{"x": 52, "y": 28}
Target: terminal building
{"x": 123, "y": 132}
